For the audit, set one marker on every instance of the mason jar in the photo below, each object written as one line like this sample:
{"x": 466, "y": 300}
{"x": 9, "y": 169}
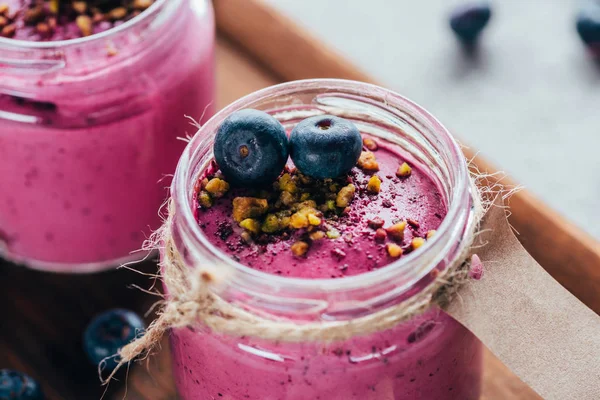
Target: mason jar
{"x": 431, "y": 356}
{"x": 89, "y": 134}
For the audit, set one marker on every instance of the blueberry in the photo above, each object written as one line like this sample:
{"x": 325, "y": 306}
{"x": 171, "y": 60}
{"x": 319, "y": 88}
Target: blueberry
{"x": 588, "y": 24}
{"x": 325, "y": 146}
{"x": 15, "y": 385}
{"x": 109, "y": 332}
{"x": 251, "y": 148}
{"x": 468, "y": 20}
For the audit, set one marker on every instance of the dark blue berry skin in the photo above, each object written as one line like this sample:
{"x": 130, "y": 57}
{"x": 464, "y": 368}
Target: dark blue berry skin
{"x": 251, "y": 148}
{"x": 325, "y": 146}
{"x": 108, "y": 332}
{"x": 15, "y": 385}
{"x": 588, "y": 24}
{"x": 468, "y": 20}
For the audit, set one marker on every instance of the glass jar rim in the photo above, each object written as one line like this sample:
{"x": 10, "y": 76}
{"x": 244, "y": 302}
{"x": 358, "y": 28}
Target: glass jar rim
{"x": 456, "y": 209}
{"x": 155, "y": 8}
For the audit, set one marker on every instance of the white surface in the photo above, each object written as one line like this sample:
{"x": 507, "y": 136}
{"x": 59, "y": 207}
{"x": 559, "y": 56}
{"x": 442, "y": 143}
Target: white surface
{"x": 530, "y": 101}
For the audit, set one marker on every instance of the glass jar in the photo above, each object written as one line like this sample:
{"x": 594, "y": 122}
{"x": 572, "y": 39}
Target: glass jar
{"x": 430, "y": 357}
{"x": 89, "y": 133}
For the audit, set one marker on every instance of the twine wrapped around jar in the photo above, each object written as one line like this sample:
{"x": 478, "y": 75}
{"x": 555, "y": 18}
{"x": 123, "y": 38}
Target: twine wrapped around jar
{"x": 193, "y": 296}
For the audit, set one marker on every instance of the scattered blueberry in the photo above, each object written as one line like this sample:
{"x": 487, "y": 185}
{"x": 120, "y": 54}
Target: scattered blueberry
{"x": 468, "y": 20}
{"x": 588, "y": 24}
{"x": 325, "y": 146}
{"x": 16, "y": 385}
{"x": 109, "y": 332}
{"x": 251, "y": 148}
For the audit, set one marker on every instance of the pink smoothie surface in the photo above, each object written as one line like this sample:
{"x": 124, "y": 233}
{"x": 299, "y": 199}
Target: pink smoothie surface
{"x": 430, "y": 357}
{"x": 416, "y": 198}
{"x": 86, "y": 152}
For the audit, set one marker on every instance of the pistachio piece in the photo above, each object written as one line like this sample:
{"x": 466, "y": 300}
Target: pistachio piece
{"x": 370, "y": 144}
{"x": 394, "y": 250}
{"x": 204, "y": 199}
{"x": 404, "y": 170}
{"x": 396, "y": 231}
{"x": 217, "y": 187}
{"x": 374, "y": 185}
{"x": 345, "y": 196}
{"x": 248, "y": 207}
{"x": 251, "y": 225}
{"x": 430, "y": 233}
{"x": 367, "y": 161}
{"x": 417, "y": 242}
{"x": 299, "y": 248}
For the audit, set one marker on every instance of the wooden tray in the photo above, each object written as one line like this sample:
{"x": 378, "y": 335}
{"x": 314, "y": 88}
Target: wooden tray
{"x": 44, "y": 314}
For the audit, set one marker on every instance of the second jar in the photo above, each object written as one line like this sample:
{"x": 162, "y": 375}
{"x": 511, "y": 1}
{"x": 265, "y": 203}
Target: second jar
{"x": 89, "y": 132}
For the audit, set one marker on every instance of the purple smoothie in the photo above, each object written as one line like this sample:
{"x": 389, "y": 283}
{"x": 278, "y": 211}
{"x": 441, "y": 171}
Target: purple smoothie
{"x": 430, "y": 357}
{"x": 86, "y": 149}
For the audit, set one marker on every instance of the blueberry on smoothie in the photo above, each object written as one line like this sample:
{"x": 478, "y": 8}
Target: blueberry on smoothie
{"x": 15, "y": 385}
{"x": 325, "y": 146}
{"x": 468, "y": 20}
{"x": 588, "y": 24}
{"x": 109, "y": 332}
{"x": 251, "y": 148}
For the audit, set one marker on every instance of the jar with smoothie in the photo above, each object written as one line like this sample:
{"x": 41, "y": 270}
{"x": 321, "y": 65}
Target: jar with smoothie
{"x": 93, "y": 101}
{"x": 321, "y": 246}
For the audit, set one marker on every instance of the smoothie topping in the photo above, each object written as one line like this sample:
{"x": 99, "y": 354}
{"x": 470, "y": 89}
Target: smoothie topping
{"x": 367, "y": 162}
{"x": 251, "y": 148}
{"x": 305, "y": 205}
{"x": 325, "y": 146}
{"x": 42, "y": 19}
{"x": 404, "y": 170}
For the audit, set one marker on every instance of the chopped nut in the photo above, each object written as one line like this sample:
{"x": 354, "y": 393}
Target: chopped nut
{"x": 248, "y": 207}
{"x": 299, "y": 248}
{"x": 33, "y": 15}
{"x": 4, "y": 9}
{"x": 304, "y": 196}
{"x": 142, "y": 4}
{"x": 286, "y": 183}
{"x": 345, "y": 196}
{"x": 8, "y": 30}
{"x": 118, "y": 13}
{"x": 304, "y": 204}
{"x": 287, "y": 198}
{"x": 271, "y": 224}
{"x": 430, "y": 233}
{"x": 417, "y": 242}
{"x": 3, "y": 21}
{"x": 314, "y": 220}
{"x": 413, "y": 222}
{"x": 403, "y": 171}
{"x": 333, "y": 233}
{"x": 246, "y": 237}
{"x": 374, "y": 185}
{"x": 370, "y": 144}
{"x": 205, "y": 200}
{"x": 251, "y": 225}
{"x": 84, "y": 23}
{"x": 334, "y": 187}
{"x": 375, "y": 223}
{"x": 79, "y": 6}
{"x": 380, "y": 235}
{"x": 368, "y": 162}
{"x": 217, "y": 187}
{"x": 394, "y": 250}
{"x": 396, "y": 231}
{"x": 299, "y": 221}
{"x": 317, "y": 235}
{"x": 54, "y": 6}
